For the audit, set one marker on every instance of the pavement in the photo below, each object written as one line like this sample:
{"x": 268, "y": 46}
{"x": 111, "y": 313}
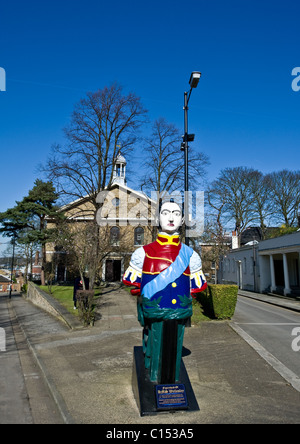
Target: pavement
{"x": 88, "y": 371}
{"x": 281, "y": 301}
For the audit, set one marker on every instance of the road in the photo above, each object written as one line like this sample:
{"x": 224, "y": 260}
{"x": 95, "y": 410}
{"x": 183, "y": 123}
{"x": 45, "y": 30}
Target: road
{"x": 24, "y": 397}
{"x": 274, "y": 332}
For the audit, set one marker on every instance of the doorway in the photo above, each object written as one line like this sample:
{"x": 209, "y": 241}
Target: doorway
{"x": 113, "y": 270}
{"x": 61, "y": 272}
{"x": 279, "y": 274}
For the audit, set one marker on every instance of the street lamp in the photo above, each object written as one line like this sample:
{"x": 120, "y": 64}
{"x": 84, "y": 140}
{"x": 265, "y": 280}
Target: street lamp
{"x": 12, "y": 263}
{"x": 194, "y": 80}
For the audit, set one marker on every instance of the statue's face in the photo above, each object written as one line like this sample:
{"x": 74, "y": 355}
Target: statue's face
{"x": 170, "y": 217}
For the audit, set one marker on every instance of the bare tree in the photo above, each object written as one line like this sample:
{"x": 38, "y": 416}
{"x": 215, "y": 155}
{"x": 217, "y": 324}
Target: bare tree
{"x": 101, "y": 123}
{"x": 284, "y": 191}
{"x": 244, "y": 196}
{"x": 214, "y": 235}
{"x": 262, "y": 202}
{"x": 79, "y": 241}
{"x": 164, "y": 160}
{"x": 233, "y": 193}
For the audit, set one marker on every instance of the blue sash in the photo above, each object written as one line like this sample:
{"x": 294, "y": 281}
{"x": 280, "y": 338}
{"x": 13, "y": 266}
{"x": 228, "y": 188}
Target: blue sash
{"x": 170, "y": 274}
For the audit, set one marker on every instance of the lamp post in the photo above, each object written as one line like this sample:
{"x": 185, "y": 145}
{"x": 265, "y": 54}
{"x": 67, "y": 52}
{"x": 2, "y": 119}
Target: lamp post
{"x": 12, "y": 264}
{"x": 194, "y": 80}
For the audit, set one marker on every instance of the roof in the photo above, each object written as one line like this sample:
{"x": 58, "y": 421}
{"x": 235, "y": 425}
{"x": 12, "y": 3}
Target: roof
{"x": 4, "y": 279}
{"x": 125, "y": 188}
{"x": 251, "y": 234}
{"x": 120, "y": 159}
{"x": 289, "y": 241}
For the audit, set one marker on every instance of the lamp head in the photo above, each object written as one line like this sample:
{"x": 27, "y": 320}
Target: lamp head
{"x": 194, "y": 79}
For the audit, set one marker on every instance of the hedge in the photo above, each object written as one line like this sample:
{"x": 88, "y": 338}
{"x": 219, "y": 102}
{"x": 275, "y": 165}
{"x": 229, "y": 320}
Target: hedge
{"x": 218, "y": 301}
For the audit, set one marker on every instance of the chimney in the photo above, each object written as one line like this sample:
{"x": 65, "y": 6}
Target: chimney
{"x": 234, "y": 241}
{"x": 36, "y": 259}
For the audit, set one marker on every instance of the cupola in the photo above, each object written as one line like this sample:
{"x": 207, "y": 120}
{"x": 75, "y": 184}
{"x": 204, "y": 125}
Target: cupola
{"x": 119, "y": 173}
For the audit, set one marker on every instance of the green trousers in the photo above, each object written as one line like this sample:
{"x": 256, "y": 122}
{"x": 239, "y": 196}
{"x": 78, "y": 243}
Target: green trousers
{"x": 153, "y": 350}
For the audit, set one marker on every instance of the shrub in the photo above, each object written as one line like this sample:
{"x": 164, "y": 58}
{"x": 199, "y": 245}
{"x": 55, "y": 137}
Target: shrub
{"x": 219, "y": 301}
{"x": 24, "y": 288}
{"x": 85, "y": 306}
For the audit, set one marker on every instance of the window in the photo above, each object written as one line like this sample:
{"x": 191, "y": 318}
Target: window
{"x": 115, "y": 236}
{"x": 139, "y": 236}
{"x": 115, "y": 201}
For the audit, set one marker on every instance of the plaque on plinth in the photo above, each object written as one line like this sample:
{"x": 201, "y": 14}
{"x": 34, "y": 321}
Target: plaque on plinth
{"x": 149, "y": 401}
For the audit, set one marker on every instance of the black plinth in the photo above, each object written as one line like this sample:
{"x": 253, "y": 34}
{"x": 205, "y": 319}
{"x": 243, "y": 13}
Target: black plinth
{"x": 145, "y": 390}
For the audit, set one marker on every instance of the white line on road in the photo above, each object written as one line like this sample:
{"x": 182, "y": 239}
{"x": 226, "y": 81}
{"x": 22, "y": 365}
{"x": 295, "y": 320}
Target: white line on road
{"x": 267, "y": 323}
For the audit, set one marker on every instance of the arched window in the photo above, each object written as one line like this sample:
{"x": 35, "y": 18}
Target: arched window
{"x": 139, "y": 236}
{"x": 115, "y": 236}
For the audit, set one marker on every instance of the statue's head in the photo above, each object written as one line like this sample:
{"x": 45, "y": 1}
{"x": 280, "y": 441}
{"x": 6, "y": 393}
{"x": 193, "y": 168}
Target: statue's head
{"x": 170, "y": 217}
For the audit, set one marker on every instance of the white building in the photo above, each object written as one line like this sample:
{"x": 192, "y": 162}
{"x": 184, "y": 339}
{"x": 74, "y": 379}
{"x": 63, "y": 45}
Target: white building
{"x": 271, "y": 265}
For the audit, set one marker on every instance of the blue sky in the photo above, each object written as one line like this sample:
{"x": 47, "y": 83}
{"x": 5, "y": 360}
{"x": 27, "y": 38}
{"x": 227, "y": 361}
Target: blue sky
{"x": 244, "y": 111}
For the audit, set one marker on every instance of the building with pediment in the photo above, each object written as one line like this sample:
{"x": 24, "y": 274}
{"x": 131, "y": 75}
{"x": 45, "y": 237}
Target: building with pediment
{"x": 125, "y": 218}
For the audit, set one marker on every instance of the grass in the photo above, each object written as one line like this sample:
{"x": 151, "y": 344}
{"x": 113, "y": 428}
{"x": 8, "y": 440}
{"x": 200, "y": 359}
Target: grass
{"x": 198, "y": 315}
{"x": 64, "y": 295}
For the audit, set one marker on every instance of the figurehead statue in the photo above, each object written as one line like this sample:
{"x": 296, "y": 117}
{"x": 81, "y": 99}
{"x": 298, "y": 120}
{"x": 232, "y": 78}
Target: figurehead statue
{"x": 165, "y": 275}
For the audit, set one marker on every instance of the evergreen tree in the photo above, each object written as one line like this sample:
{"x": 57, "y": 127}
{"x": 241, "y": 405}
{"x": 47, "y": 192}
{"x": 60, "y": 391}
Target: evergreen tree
{"x": 27, "y": 221}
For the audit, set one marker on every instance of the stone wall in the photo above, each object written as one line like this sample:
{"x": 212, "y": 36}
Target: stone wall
{"x": 50, "y": 305}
